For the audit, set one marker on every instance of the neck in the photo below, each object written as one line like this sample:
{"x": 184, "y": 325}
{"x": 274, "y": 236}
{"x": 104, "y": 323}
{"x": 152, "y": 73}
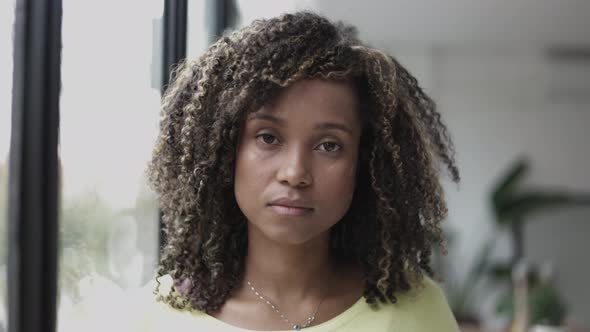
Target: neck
{"x": 289, "y": 272}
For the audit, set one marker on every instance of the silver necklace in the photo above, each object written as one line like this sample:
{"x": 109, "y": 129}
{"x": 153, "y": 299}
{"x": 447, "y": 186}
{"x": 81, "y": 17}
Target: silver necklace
{"x": 295, "y": 326}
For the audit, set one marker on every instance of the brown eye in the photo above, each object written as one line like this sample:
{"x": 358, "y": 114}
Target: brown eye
{"x": 267, "y": 138}
{"x": 330, "y": 147}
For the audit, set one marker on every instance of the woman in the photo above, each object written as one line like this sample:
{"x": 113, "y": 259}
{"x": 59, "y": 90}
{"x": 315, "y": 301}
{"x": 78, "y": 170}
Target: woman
{"x": 298, "y": 175}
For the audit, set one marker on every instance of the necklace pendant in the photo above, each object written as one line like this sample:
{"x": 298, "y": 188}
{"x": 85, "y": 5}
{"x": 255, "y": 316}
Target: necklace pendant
{"x": 296, "y": 327}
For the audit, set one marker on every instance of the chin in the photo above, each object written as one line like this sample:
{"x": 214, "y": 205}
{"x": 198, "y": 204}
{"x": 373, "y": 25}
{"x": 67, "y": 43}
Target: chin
{"x": 287, "y": 233}
{"x": 289, "y": 230}
{"x": 288, "y": 237}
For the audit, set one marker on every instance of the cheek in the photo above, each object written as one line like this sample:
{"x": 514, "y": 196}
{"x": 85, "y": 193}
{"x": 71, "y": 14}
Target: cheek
{"x": 337, "y": 184}
{"x": 251, "y": 163}
{"x": 244, "y": 169}
{"x": 248, "y": 176}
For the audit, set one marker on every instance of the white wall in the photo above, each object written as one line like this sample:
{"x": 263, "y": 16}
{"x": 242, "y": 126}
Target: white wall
{"x": 498, "y": 105}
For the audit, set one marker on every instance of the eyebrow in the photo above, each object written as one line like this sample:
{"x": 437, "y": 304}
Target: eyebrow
{"x": 330, "y": 125}
{"x": 319, "y": 126}
{"x": 267, "y": 117}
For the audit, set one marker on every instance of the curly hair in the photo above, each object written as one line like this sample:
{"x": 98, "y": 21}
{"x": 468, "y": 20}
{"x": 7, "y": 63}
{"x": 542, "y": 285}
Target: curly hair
{"x": 393, "y": 222}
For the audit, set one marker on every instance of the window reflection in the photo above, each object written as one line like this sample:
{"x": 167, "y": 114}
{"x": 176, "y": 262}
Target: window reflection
{"x": 7, "y": 9}
{"x": 109, "y": 119}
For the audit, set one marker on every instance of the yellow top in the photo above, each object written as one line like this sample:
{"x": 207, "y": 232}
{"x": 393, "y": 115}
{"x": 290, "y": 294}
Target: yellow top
{"x": 423, "y": 309}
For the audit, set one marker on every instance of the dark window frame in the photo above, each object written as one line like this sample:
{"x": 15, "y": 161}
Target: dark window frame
{"x": 33, "y": 171}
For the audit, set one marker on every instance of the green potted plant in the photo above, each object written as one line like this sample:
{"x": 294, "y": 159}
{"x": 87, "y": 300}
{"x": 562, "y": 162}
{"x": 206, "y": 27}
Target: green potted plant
{"x": 546, "y": 308}
{"x": 513, "y": 205}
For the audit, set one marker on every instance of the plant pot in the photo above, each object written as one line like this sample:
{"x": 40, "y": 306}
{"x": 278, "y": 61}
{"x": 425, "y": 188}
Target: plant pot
{"x": 469, "y": 327}
{"x": 468, "y": 323}
{"x": 546, "y": 328}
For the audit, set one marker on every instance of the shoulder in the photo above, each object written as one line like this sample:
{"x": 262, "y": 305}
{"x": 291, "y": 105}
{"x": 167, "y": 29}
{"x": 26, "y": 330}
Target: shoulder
{"x": 423, "y": 308}
{"x": 159, "y": 316}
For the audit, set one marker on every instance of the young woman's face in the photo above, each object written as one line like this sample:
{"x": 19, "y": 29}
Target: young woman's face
{"x": 296, "y": 160}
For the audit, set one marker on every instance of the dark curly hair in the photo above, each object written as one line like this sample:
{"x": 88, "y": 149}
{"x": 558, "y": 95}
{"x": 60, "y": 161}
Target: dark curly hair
{"x": 392, "y": 225}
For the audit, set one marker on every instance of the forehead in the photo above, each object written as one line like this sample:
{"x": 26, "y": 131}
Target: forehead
{"x": 316, "y": 100}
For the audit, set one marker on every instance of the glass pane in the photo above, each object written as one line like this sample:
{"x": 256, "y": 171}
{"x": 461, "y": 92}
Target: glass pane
{"x": 198, "y": 32}
{"x": 6, "y": 41}
{"x": 109, "y": 121}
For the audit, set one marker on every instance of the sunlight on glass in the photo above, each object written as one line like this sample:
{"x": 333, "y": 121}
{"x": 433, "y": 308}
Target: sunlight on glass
{"x": 197, "y": 28}
{"x": 6, "y": 46}
{"x": 109, "y": 120}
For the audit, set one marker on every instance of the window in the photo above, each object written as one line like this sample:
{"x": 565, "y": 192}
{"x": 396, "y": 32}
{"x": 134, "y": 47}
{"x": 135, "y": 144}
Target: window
{"x": 111, "y": 63}
{"x": 109, "y": 119}
{"x": 6, "y": 42}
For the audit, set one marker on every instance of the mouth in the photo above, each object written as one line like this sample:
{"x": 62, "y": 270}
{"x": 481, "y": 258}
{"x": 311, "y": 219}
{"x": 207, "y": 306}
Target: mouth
{"x": 286, "y": 210}
{"x": 291, "y": 206}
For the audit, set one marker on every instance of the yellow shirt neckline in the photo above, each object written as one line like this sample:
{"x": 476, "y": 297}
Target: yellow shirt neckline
{"x": 328, "y": 325}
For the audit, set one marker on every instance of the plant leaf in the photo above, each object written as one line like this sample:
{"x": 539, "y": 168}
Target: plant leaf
{"x": 503, "y": 189}
{"x": 533, "y": 201}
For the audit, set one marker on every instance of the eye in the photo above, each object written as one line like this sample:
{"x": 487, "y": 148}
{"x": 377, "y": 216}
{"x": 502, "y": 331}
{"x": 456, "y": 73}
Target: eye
{"x": 267, "y": 138}
{"x": 330, "y": 147}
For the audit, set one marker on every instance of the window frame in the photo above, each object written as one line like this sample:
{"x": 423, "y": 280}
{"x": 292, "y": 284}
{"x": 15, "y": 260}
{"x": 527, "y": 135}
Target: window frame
{"x": 34, "y": 174}
{"x": 33, "y": 171}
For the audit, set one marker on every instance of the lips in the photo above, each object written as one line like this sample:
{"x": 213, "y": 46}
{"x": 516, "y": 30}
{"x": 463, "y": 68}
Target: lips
{"x": 290, "y": 207}
{"x": 288, "y": 202}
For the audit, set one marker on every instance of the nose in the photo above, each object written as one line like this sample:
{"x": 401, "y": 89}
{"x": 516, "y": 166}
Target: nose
{"x": 294, "y": 170}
